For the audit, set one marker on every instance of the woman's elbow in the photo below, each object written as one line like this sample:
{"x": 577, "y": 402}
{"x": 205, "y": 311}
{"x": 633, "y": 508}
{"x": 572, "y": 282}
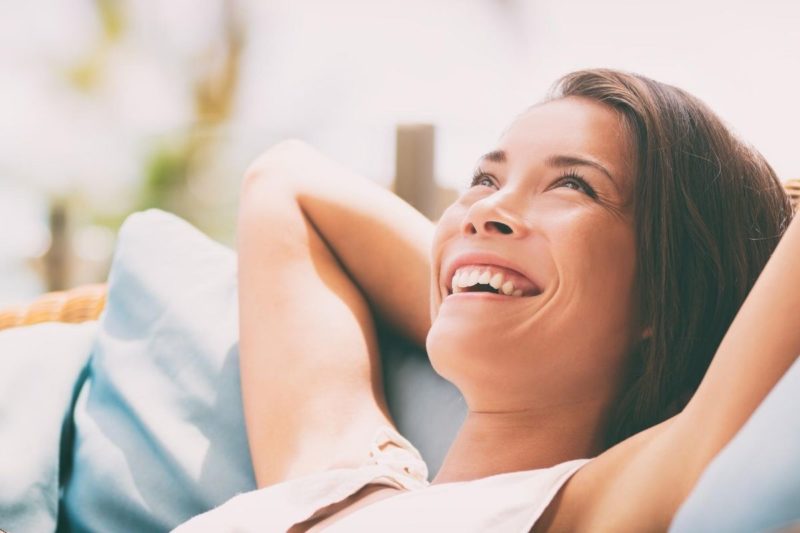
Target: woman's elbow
{"x": 274, "y": 164}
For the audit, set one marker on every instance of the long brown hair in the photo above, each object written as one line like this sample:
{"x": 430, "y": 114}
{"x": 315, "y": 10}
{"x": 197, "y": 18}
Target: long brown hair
{"x": 709, "y": 210}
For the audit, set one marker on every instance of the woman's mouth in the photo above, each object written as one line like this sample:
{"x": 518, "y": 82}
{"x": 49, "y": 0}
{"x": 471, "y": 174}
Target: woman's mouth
{"x": 491, "y": 279}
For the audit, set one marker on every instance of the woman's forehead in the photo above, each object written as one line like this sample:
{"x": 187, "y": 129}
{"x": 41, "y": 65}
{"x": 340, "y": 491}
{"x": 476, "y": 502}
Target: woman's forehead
{"x": 570, "y": 127}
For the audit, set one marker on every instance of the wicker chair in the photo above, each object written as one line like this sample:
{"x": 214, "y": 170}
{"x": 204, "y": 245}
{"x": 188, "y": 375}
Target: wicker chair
{"x": 86, "y": 302}
{"x": 80, "y": 304}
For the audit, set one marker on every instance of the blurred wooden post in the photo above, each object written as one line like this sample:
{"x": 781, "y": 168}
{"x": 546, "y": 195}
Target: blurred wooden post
{"x": 414, "y": 174}
{"x": 56, "y": 260}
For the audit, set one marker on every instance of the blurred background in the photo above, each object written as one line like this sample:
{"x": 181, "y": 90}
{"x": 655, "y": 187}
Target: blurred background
{"x": 112, "y": 106}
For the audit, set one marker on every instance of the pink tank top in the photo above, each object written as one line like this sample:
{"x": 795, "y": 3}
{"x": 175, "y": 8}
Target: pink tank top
{"x": 502, "y": 502}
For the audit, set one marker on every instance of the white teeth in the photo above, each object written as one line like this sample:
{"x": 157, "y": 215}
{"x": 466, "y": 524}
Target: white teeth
{"x": 508, "y": 287}
{"x": 469, "y": 276}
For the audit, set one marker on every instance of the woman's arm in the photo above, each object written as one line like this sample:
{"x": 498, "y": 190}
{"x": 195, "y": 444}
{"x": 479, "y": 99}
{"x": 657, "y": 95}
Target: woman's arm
{"x": 382, "y": 242}
{"x": 641, "y": 482}
{"x": 311, "y": 387}
{"x": 761, "y": 344}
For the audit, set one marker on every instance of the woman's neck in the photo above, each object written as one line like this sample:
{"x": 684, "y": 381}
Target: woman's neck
{"x": 495, "y": 443}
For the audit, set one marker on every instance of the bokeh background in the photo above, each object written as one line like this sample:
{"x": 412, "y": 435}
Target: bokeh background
{"x": 108, "y": 107}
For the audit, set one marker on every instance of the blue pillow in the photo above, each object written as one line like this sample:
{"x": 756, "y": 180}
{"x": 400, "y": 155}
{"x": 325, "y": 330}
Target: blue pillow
{"x": 160, "y": 435}
{"x": 40, "y": 369}
{"x": 754, "y": 482}
{"x": 159, "y": 431}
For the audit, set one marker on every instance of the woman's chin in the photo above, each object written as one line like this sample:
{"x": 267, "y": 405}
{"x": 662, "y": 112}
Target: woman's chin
{"x": 455, "y": 344}
{"x": 455, "y": 333}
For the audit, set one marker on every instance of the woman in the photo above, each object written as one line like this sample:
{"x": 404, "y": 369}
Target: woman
{"x": 575, "y": 294}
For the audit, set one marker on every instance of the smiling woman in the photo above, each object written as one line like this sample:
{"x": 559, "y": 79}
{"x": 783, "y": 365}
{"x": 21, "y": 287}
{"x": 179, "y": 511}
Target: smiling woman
{"x": 577, "y": 293}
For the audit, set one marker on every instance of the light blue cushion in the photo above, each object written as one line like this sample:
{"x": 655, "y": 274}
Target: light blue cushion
{"x": 754, "y": 482}
{"x": 159, "y": 432}
{"x": 160, "y": 435}
{"x": 40, "y": 367}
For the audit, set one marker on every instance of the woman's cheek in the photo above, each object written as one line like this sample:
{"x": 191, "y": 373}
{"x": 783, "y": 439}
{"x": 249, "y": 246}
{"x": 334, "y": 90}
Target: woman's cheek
{"x": 599, "y": 248}
{"x": 449, "y": 222}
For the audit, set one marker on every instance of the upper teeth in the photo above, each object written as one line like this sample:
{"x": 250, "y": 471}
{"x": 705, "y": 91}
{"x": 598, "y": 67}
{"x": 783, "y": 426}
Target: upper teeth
{"x": 470, "y": 276}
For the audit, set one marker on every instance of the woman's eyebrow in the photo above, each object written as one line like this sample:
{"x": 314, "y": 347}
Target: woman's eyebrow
{"x": 495, "y": 156}
{"x": 571, "y": 160}
{"x": 560, "y": 161}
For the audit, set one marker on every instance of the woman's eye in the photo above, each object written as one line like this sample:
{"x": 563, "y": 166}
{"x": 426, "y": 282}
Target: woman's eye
{"x": 579, "y": 184}
{"x": 482, "y": 179}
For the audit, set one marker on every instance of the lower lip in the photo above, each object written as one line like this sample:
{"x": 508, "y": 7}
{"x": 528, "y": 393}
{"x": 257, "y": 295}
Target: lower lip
{"x": 483, "y": 296}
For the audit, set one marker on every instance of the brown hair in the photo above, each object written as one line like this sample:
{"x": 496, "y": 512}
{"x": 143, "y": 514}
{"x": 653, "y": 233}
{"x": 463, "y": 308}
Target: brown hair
{"x": 709, "y": 210}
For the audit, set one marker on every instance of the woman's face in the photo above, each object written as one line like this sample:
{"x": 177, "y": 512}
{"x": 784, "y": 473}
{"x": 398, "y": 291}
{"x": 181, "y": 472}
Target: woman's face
{"x": 548, "y": 220}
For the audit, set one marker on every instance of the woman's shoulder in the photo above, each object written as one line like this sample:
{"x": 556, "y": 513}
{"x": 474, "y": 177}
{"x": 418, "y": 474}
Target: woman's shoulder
{"x": 606, "y": 485}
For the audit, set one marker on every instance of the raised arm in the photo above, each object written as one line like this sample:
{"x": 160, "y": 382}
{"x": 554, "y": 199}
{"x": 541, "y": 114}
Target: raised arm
{"x": 382, "y": 242}
{"x": 315, "y": 244}
{"x": 755, "y": 352}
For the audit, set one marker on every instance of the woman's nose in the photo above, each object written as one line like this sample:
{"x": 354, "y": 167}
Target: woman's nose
{"x": 490, "y": 217}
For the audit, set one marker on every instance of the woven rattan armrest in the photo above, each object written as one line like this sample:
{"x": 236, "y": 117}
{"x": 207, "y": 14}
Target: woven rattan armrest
{"x": 75, "y": 305}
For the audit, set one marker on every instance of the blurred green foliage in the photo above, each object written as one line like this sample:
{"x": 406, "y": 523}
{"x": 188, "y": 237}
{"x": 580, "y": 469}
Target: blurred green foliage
{"x": 112, "y": 19}
{"x": 177, "y": 160}
{"x": 164, "y": 177}
{"x": 85, "y": 74}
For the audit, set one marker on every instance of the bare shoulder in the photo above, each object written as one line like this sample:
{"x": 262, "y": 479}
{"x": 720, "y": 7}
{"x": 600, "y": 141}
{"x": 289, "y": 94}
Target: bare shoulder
{"x": 633, "y": 486}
